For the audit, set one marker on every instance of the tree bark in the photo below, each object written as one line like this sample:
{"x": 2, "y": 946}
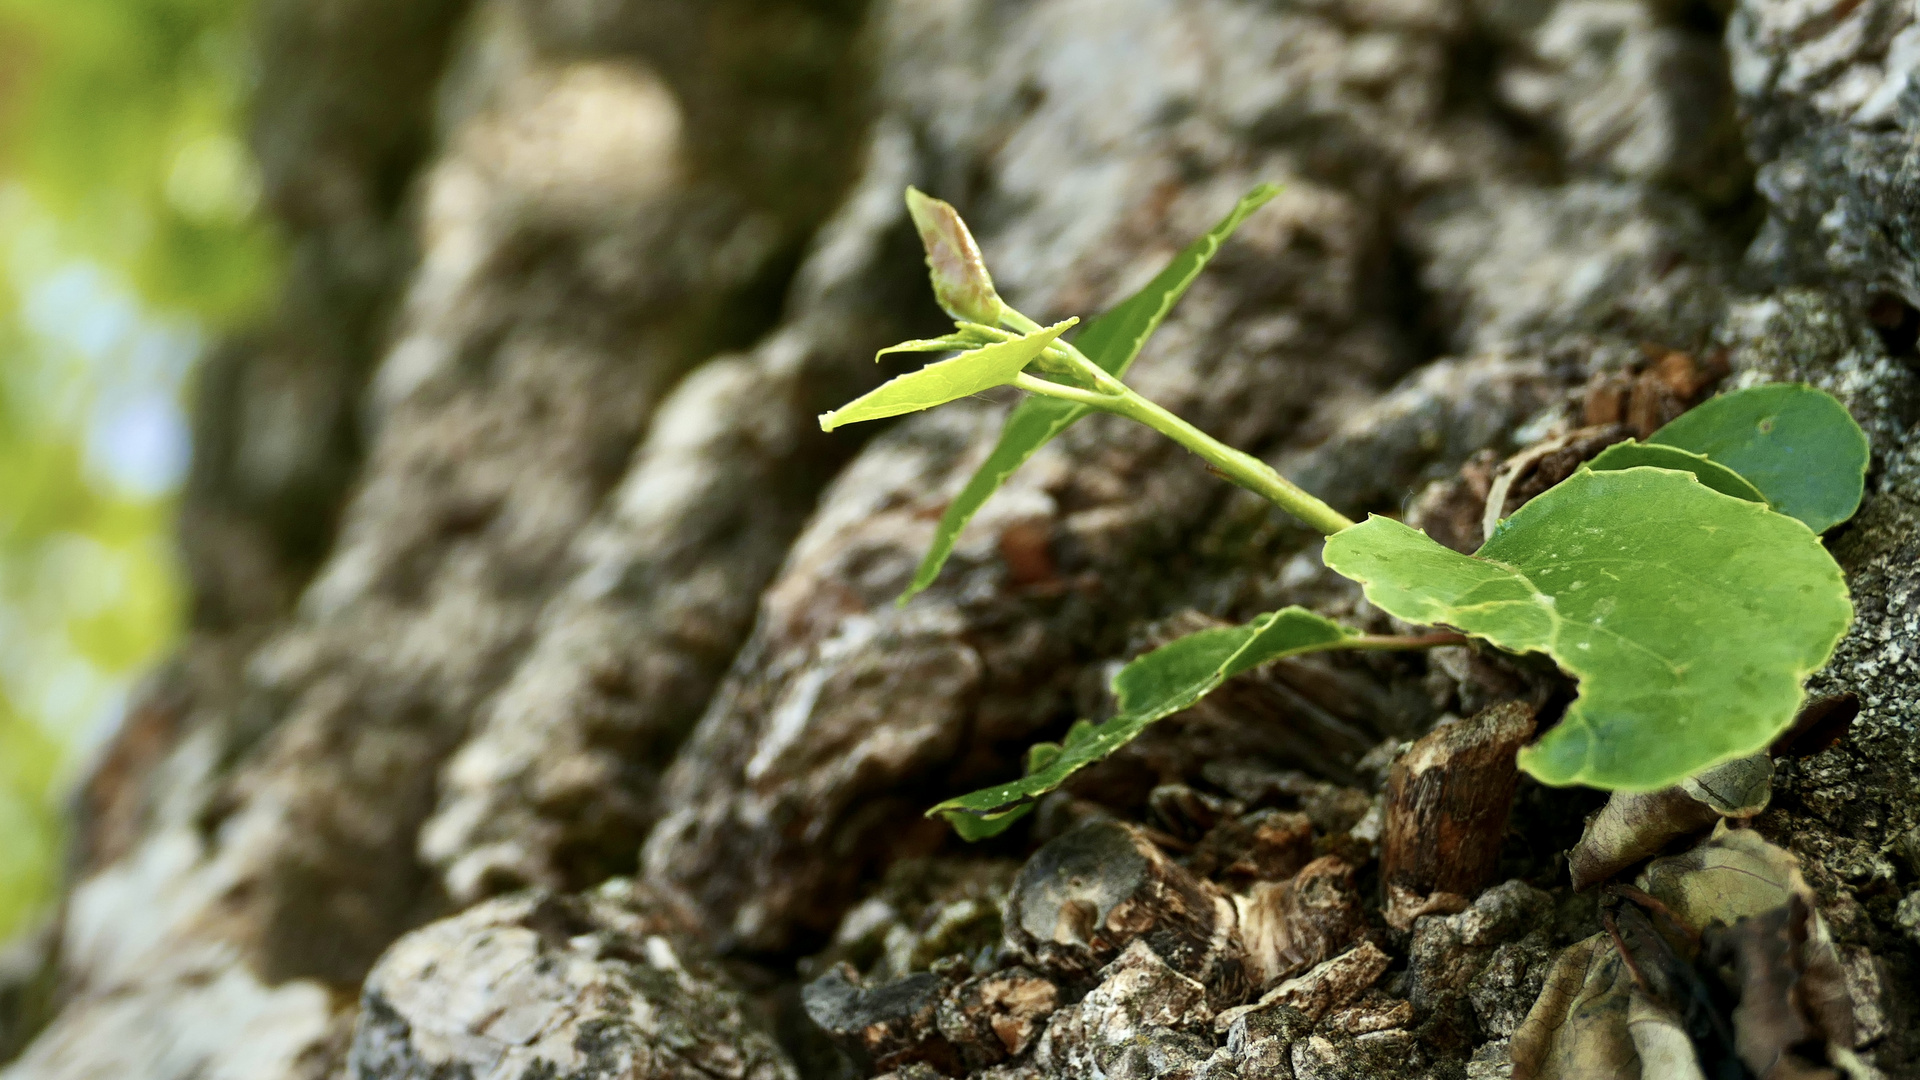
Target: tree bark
{"x": 518, "y": 561}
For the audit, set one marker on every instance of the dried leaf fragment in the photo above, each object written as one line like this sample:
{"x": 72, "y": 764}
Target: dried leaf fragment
{"x": 1326, "y": 987}
{"x": 1635, "y": 825}
{"x": 1665, "y": 1051}
{"x": 1577, "y": 1030}
{"x": 1793, "y": 993}
{"x": 1734, "y": 874}
{"x": 1289, "y": 926}
{"x": 1767, "y": 997}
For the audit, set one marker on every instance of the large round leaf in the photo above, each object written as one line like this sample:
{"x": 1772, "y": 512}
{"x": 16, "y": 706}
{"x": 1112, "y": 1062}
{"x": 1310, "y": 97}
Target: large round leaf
{"x": 1689, "y": 617}
{"x": 1796, "y": 444}
{"x": 1632, "y": 454}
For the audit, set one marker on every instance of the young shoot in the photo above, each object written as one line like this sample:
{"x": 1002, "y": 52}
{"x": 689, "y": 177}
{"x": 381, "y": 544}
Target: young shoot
{"x": 1682, "y": 582}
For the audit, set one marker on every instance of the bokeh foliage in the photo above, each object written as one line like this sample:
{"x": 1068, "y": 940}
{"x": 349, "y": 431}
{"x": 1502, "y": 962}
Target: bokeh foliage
{"x": 128, "y": 236}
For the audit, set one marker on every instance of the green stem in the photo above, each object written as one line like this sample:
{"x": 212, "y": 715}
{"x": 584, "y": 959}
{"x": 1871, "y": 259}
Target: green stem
{"x": 1016, "y": 321}
{"x": 1241, "y": 468}
{"x": 1067, "y": 351}
{"x": 1116, "y": 397}
{"x": 1092, "y": 399}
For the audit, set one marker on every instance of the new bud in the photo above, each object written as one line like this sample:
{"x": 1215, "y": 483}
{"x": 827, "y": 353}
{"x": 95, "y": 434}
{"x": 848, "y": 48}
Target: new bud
{"x": 960, "y": 280}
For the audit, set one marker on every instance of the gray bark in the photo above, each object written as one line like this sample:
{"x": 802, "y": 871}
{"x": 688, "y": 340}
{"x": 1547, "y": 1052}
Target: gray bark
{"x": 518, "y": 562}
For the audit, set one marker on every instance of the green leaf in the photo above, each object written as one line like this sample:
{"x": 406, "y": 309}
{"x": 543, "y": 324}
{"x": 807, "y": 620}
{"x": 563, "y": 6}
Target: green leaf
{"x": 1040, "y": 755}
{"x": 1796, "y": 444}
{"x": 1689, "y": 617}
{"x": 973, "y": 829}
{"x": 1032, "y": 424}
{"x": 946, "y": 380}
{"x": 1629, "y": 454}
{"x": 1153, "y": 687}
{"x": 1112, "y": 341}
{"x": 969, "y": 336}
{"x": 960, "y": 280}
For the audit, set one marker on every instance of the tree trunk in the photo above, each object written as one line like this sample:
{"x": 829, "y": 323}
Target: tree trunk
{"x": 519, "y": 562}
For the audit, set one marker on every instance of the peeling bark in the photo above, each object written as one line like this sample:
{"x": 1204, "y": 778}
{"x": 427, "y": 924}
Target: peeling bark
{"x": 1447, "y": 803}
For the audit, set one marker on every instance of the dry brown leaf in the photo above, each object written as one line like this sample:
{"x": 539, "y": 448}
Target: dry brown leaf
{"x": 1735, "y": 874}
{"x": 1636, "y": 825}
{"x": 1792, "y": 990}
{"x": 1577, "y": 1029}
{"x": 1666, "y": 1053}
{"x": 1765, "y": 942}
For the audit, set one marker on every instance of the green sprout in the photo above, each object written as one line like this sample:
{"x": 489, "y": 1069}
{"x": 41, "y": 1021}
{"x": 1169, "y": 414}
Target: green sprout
{"x": 1682, "y": 582}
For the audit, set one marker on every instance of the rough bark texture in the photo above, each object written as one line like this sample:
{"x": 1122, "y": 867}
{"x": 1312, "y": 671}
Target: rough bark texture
{"x": 1447, "y": 802}
{"x": 518, "y": 561}
{"x": 606, "y": 983}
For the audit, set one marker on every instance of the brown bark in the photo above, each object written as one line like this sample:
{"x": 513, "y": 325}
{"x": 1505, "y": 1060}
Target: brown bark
{"x": 1447, "y": 803}
{"x": 517, "y": 560}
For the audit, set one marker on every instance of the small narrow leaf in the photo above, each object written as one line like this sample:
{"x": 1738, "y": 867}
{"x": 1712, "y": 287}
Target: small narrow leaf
{"x": 1112, "y": 341}
{"x": 1032, "y": 424}
{"x": 960, "y": 280}
{"x": 1796, "y": 444}
{"x": 1629, "y": 454}
{"x": 972, "y": 827}
{"x": 946, "y": 380}
{"x": 969, "y": 336}
{"x": 1153, "y": 687}
{"x": 1689, "y": 617}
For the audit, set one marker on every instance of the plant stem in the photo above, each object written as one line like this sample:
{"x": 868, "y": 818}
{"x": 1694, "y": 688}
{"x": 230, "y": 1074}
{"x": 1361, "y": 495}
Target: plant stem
{"x": 1116, "y": 397}
{"x": 1092, "y": 399}
{"x": 1241, "y": 468}
{"x": 1016, "y": 321}
{"x": 1091, "y": 370}
{"x": 1067, "y": 351}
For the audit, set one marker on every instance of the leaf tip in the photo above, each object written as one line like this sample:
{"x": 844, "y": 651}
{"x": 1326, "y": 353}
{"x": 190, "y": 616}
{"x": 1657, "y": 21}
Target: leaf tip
{"x": 973, "y": 829}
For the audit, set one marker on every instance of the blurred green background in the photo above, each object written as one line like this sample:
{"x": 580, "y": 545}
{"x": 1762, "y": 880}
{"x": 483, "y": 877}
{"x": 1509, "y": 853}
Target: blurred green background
{"x": 128, "y": 237}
